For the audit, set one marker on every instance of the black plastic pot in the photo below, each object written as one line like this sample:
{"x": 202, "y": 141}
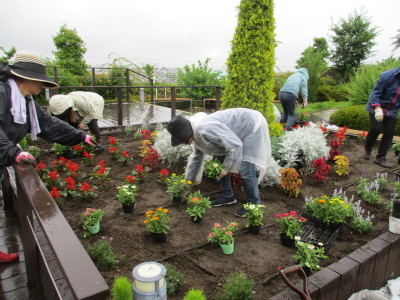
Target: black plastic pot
{"x": 396, "y": 209}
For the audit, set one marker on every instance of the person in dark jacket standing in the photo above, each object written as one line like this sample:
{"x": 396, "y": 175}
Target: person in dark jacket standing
{"x": 295, "y": 84}
{"x": 20, "y": 114}
{"x": 383, "y": 107}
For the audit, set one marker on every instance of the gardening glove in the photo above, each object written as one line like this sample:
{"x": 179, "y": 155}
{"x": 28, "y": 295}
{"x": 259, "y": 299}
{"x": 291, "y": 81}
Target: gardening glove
{"x": 25, "y": 158}
{"x": 305, "y": 102}
{"x": 90, "y": 140}
{"x": 378, "y": 114}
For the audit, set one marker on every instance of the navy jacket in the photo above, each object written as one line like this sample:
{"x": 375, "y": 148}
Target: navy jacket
{"x": 386, "y": 94}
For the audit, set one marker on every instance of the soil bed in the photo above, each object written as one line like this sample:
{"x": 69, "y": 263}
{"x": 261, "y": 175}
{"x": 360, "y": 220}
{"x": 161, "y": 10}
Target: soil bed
{"x": 204, "y": 265}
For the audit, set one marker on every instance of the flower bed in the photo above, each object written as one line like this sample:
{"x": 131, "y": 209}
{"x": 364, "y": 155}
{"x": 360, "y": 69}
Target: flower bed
{"x": 187, "y": 247}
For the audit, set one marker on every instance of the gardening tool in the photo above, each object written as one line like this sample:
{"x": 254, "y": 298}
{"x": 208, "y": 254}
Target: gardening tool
{"x": 304, "y": 294}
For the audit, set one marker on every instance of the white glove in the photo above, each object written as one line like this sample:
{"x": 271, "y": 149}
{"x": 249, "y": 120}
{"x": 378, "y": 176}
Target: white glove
{"x": 378, "y": 114}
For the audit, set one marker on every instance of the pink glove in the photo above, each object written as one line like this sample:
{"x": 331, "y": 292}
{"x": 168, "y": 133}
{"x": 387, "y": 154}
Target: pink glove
{"x": 90, "y": 140}
{"x": 25, "y": 158}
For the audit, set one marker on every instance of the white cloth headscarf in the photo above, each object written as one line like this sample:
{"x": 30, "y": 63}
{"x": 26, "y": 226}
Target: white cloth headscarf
{"x": 18, "y": 109}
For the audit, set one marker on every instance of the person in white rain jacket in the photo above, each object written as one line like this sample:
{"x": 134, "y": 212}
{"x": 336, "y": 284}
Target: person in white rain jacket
{"x": 239, "y": 137}
{"x": 79, "y": 109}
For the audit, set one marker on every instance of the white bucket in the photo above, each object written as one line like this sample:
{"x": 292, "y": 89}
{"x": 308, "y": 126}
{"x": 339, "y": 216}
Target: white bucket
{"x": 394, "y": 225}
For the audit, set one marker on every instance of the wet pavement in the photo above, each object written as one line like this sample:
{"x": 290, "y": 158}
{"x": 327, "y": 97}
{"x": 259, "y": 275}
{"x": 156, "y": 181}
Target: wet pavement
{"x": 136, "y": 113}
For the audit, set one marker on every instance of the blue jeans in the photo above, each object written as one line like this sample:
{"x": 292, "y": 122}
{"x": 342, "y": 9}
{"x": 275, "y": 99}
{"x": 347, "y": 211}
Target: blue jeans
{"x": 288, "y": 101}
{"x": 248, "y": 173}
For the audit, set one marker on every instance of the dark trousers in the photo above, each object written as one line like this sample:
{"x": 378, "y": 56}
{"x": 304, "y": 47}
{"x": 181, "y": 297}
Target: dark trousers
{"x": 288, "y": 102}
{"x": 94, "y": 129}
{"x": 387, "y": 127}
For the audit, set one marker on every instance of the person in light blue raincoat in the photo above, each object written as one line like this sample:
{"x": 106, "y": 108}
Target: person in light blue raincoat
{"x": 239, "y": 137}
{"x": 296, "y": 83}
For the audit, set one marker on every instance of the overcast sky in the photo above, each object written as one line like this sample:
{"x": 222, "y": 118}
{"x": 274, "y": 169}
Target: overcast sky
{"x": 175, "y": 33}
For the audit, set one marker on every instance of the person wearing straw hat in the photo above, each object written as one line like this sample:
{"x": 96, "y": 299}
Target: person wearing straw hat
{"x": 79, "y": 109}
{"x": 20, "y": 114}
{"x": 238, "y": 137}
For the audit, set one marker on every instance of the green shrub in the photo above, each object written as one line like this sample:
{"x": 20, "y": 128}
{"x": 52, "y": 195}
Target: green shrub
{"x": 354, "y": 117}
{"x": 237, "y": 287}
{"x": 195, "y": 294}
{"x": 174, "y": 279}
{"x": 335, "y": 93}
{"x": 122, "y": 289}
{"x": 102, "y": 255}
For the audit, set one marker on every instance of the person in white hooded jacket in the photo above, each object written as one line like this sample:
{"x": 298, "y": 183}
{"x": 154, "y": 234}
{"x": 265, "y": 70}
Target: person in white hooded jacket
{"x": 239, "y": 137}
{"x": 79, "y": 109}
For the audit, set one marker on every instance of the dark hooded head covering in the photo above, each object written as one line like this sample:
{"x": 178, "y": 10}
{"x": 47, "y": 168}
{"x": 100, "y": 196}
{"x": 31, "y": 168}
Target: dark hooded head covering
{"x": 180, "y": 129}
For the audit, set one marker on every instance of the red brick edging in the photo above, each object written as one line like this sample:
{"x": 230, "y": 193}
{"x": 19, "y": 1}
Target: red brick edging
{"x": 368, "y": 267}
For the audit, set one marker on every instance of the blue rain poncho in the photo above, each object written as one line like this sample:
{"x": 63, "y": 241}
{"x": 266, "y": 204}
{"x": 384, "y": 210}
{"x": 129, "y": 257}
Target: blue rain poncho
{"x": 239, "y": 134}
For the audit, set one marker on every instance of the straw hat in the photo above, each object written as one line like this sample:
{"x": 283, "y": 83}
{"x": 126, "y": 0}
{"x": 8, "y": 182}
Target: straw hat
{"x": 30, "y": 66}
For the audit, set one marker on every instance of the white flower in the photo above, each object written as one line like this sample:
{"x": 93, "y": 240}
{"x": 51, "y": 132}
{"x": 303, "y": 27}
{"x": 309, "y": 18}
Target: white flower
{"x": 311, "y": 247}
{"x": 297, "y": 238}
{"x": 320, "y": 244}
{"x": 252, "y": 206}
{"x": 215, "y": 165}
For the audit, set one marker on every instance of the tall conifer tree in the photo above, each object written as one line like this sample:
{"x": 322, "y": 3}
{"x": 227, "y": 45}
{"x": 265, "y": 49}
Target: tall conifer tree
{"x": 250, "y": 79}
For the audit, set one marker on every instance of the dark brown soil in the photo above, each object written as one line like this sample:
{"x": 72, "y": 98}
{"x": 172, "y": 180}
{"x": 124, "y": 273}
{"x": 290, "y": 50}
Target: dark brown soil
{"x": 204, "y": 265}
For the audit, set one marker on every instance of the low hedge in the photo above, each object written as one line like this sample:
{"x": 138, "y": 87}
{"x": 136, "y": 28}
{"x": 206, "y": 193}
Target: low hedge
{"x": 354, "y": 117}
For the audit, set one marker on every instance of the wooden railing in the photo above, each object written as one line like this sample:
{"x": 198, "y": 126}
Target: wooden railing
{"x": 173, "y": 91}
{"x": 57, "y": 265}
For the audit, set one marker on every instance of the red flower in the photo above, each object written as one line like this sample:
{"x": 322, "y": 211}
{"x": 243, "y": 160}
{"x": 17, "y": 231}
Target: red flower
{"x": 125, "y": 154}
{"x": 55, "y": 193}
{"x": 164, "y": 172}
{"x": 130, "y": 179}
{"x": 87, "y": 155}
{"x": 146, "y": 134}
{"x": 324, "y": 129}
{"x": 113, "y": 140}
{"x": 54, "y": 175}
{"x": 86, "y": 187}
{"x": 111, "y": 150}
{"x": 70, "y": 183}
{"x": 139, "y": 169}
{"x": 77, "y": 148}
{"x": 41, "y": 166}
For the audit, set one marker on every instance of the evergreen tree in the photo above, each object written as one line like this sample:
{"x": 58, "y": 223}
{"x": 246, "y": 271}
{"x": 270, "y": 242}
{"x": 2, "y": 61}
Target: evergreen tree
{"x": 314, "y": 60}
{"x": 250, "y": 79}
{"x": 70, "y": 51}
{"x": 353, "y": 40}
{"x": 396, "y": 40}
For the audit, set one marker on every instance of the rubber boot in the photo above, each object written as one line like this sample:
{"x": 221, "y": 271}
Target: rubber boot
{"x": 8, "y": 257}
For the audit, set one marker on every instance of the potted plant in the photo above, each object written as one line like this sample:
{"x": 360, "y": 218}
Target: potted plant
{"x": 157, "y": 223}
{"x": 177, "y": 186}
{"x": 197, "y": 205}
{"x": 127, "y": 196}
{"x": 332, "y": 210}
{"x": 308, "y": 255}
{"x": 254, "y": 214}
{"x": 223, "y": 236}
{"x": 290, "y": 224}
{"x": 91, "y": 218}
{"x": 212, "y": 168}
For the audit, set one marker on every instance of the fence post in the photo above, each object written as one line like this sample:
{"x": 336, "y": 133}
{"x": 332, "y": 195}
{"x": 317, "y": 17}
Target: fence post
{"x": 127, "y": 84}
{"x": 218, "y": 98}
{"x": 173, "y": 101}
{"x": 93, "y": 79}
{"x": 152, "y": 92}
{"x": 119, "y": 99}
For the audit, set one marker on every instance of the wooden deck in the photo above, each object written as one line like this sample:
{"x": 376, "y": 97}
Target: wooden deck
{"x": 13, "y": 280}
